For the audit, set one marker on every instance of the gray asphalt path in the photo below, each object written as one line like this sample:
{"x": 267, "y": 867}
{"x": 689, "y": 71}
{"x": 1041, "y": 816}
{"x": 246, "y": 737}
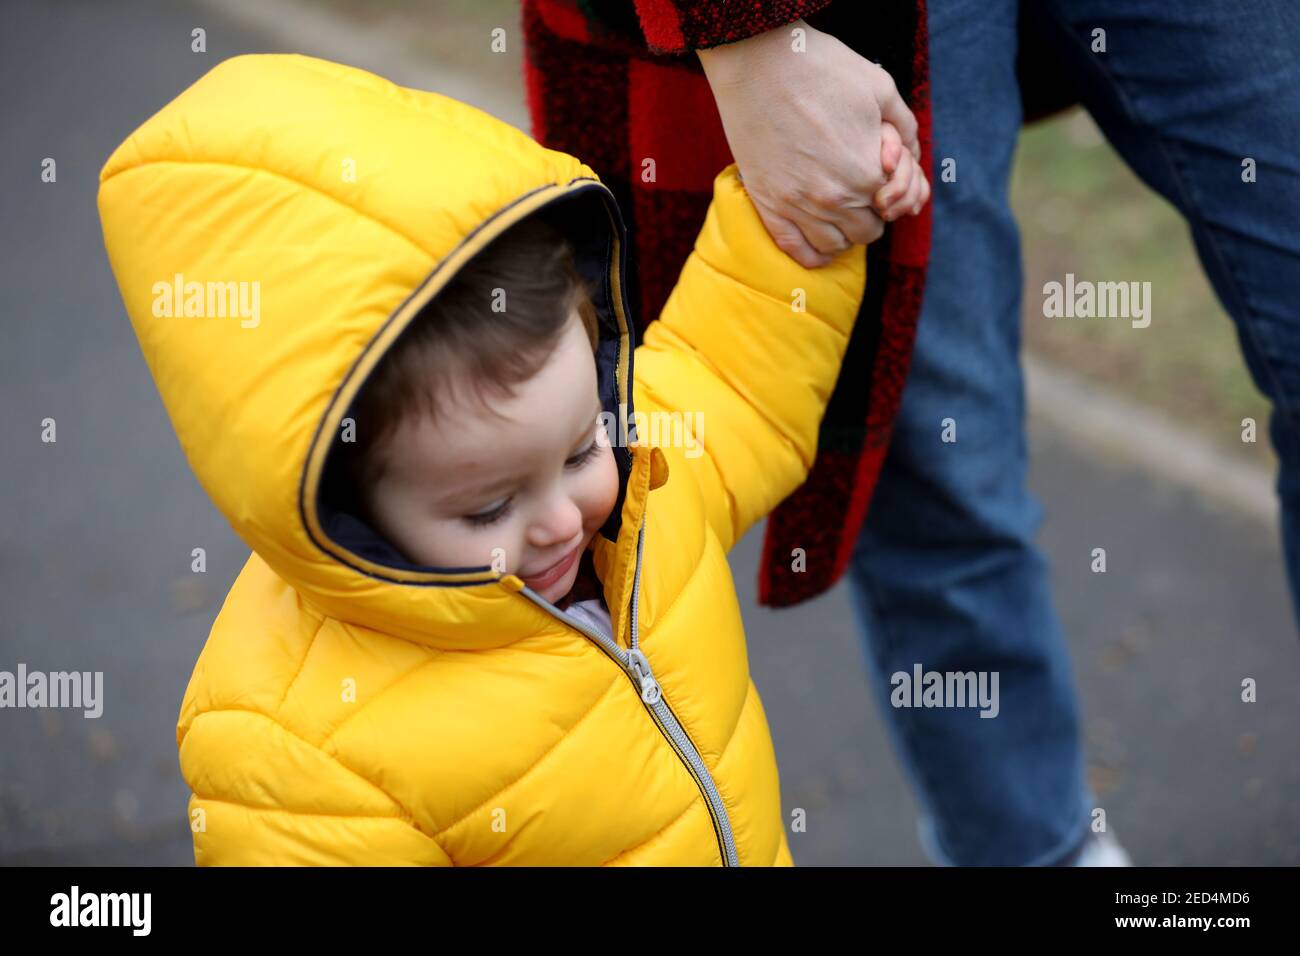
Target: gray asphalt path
{"x": 96, "y": 532}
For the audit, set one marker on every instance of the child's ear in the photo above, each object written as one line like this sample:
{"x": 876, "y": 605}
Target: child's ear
{"x": 891, "y": 148}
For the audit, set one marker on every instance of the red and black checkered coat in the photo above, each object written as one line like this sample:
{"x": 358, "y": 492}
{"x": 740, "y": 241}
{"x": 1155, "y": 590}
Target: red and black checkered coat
{"x": 616, "y": 81}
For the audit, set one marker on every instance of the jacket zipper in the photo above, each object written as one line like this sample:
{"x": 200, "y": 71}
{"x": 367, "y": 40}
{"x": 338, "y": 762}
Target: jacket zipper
{"x": 637, "y": 667}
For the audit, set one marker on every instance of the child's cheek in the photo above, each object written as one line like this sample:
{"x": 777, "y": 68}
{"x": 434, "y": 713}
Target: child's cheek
{"x": 606, "y": 493}
{"x": 499, "y": 546}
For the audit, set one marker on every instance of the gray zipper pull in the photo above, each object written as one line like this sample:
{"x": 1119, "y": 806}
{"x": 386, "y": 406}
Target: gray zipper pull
{"x": 650, "y": 690}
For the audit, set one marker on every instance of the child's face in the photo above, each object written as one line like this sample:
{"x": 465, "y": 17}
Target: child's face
{"x": 538, "y": 483}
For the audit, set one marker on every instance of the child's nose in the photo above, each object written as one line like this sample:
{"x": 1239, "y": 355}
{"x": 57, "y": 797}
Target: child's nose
{"x": 560, "y": 523}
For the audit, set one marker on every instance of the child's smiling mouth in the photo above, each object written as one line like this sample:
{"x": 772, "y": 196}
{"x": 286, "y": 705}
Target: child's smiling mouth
{"x": 548, "y": 576}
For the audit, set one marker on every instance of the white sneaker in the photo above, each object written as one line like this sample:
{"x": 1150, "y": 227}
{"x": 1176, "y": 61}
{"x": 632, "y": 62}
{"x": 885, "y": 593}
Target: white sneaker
{"x": 1102, "y": 849}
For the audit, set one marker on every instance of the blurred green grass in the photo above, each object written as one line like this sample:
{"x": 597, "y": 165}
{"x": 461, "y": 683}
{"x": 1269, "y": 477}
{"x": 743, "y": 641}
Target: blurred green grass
{"x": 1082, "y": 211}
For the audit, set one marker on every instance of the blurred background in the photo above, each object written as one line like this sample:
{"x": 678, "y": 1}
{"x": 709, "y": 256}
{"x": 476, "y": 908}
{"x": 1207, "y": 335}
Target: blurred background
{"x": 1136, "y": 447}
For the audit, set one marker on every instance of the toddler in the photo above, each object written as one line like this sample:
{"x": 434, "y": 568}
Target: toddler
{"x": 487, "y": 617}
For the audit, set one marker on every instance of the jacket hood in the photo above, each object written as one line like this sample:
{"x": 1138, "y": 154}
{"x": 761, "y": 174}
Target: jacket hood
{"x": 273, "y": 230}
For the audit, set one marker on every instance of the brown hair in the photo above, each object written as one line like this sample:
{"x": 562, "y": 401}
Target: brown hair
{"x": 529, "y": 275}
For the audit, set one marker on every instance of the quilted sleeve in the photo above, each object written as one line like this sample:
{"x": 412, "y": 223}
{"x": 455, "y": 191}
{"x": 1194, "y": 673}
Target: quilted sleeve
{"x": 263, "y": 796}
{"x": 679, "y": 26}
{"x": 746, "y": 353}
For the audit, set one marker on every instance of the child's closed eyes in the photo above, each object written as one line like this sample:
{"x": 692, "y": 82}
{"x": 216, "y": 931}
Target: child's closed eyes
{"x": 499, "y": 511}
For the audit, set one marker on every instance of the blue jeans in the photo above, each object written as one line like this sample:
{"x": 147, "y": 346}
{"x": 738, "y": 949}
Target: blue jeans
{"x": 945, "y": 573}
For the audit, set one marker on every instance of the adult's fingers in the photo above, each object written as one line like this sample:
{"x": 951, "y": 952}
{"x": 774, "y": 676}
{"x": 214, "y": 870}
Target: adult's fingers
{"x": 788, "y": 237}
{"x": 833, "y": 220}
{"x": 862, "y": 225}
{"x": 822, "y": 235}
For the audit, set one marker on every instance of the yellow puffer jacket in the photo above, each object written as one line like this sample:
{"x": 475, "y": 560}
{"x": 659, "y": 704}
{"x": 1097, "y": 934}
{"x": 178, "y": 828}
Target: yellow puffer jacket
{"x": 348, "y": 708}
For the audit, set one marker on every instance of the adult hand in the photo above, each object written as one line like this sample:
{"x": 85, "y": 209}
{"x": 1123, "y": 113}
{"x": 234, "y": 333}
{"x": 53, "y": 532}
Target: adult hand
{"x": 805, "y": 130}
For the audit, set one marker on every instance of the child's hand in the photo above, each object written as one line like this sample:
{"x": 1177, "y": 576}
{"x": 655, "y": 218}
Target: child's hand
{"x": 907, "y": 189}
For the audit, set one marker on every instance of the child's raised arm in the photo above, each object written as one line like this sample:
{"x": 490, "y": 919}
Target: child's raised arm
{"x": 749, "y": 344}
